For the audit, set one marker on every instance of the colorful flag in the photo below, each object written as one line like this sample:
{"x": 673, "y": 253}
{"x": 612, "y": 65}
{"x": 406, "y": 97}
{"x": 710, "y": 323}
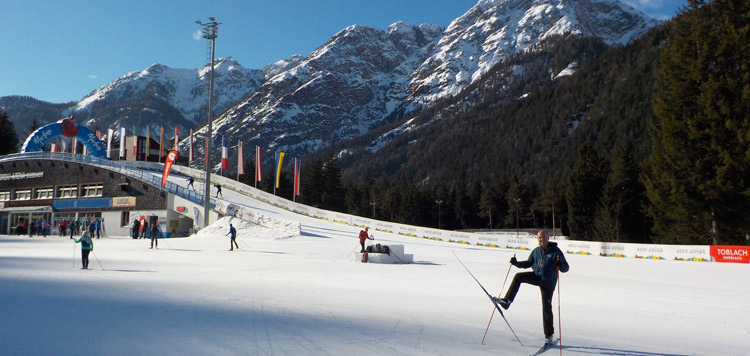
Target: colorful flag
{"x": 176, "y": 136}
{"x": 240, "y": 163}
{"x": 53, "y": 148}
{"x": 135, "y": 143}
{"x": 258, "y": 166}
{"x": 74, "y": 145}
{"x": 98, "y": 134}
{"x": 224, "y": 157}
{"x": 148, "y": 143}
{"x": 122, "y": 142}
{"x": 297, "y": 164}
{"x": 279, "y": 161}
{"x": 191, "y": 157}
{"x": 171, "y": 157}
{"x": 110, "y": 133}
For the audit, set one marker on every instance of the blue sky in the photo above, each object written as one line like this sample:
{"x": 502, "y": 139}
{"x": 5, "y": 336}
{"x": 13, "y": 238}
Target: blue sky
{"x": 59, "y": 51}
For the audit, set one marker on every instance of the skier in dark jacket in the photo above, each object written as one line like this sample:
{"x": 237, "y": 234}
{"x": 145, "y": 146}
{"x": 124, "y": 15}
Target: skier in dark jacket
{"x": 233, "y": 241}
{"x": 86, "y": 247}
{"x": 545, "y": 260}
{"x": 155, "y": 235}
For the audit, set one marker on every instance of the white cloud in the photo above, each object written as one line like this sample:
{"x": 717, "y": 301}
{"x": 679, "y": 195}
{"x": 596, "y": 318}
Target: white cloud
{"x": 93, "y": 76}
{"x": 197, "y": 35}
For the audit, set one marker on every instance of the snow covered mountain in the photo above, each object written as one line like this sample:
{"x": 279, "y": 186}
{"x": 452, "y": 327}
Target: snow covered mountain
{"x": 163, "y": 96}
{"x": 363, "y": 77}
{"x": 494, "y": 29}
{"x": 360, "y": 79}
{"x": 154, "y": 97}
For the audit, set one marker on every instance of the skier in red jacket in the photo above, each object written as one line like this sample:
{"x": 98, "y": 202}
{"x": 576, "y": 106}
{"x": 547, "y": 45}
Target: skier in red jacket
{"x": 362, "y": 237}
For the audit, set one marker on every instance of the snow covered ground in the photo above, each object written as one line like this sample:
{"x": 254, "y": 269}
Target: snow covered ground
{"x": 283, "y": 294}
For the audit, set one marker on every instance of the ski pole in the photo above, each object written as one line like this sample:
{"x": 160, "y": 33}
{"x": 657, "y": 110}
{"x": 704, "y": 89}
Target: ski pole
{"x": 559, "y": 316}
{"x": 97, "y": 260}
{"x": 493, "y": 309}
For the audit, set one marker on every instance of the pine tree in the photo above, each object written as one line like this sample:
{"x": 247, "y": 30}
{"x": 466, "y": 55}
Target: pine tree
{"x": 8, "y": 137}
{"x": 697, "y": 180}
{"x": 584, "y": 192}
{"x": 333, "y": 188}
{"x": 619, "y": 215}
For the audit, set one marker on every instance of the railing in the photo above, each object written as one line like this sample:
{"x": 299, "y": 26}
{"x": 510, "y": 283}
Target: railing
{"x": 145, "y": 177}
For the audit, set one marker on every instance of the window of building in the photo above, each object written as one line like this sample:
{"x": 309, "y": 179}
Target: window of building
{"x": 5, "y": 195}
{"x": 67, "y": 192}
{"x": 23, "y": 194}
{"x": 125, "y": 218}
{"x": 92, "y": 190}
{"x": 44, "y": 193}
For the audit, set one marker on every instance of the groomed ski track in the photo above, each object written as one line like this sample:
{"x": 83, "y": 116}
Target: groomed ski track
{"x": 289, "y": 294}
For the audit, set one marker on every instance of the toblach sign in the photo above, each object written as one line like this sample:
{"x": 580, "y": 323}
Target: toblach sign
{"x": 735, "y": 254}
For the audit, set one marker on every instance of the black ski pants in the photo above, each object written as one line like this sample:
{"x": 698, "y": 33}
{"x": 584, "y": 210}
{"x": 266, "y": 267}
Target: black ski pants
{"x": 530, "y": 278}
{"x": 85, "y": 258}
{"x": 232, "y": 241}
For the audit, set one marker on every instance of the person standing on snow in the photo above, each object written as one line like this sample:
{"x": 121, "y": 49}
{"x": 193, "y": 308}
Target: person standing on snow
{"x": 98, "y": 228}
{"x": 218, "y": 190}
{"x": 155, "y": 235}
{"x": 362, "y": 237}
{"x": 86, "y": 247}
{"x": 233, "y": 240}
{"x": 190, "y": 183}
{"x": 545, "y": 261}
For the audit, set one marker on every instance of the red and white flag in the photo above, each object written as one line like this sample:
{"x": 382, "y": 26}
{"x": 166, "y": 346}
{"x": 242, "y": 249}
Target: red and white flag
{"x": 224, "y": 154}
{"x": 191, "y": 157}
{"x": 176, "y": 136}
{"x": 53, "y": 148}
{"x": 110, "y": 133}
{"x": 258, "y": 173}
{"x": 297, "y": 163}
{"x": 171, "y": 157}
{"x": 240, "y": 163}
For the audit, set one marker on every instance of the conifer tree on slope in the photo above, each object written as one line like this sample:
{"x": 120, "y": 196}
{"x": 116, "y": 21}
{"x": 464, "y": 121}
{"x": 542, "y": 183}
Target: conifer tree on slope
{"x": 698, "y": 181}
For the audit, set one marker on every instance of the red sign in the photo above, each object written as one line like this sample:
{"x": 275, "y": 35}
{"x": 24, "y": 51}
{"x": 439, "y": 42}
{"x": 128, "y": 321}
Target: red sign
{"x": 171, "y": 157}
{"x": 735, "y": 254}
{"x": 180, "y": 208}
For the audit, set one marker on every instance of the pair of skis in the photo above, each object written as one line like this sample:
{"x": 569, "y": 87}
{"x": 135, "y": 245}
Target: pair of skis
{"x": 500, "y": 310}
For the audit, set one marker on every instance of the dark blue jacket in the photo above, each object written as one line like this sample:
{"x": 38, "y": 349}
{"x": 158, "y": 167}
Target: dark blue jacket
{"x": 544, "y": 264}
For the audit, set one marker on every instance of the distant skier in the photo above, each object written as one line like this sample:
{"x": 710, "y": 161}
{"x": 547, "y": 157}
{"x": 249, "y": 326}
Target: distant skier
{"x": 155, "y": 235}
{"x": 86, "y": 247}
{"x": 98, "y": 228}
{"x": 233, "y": 240}
{"x": 362, "y": 237}
{"x": 218, "y": 190}
{"x": 92, "y": 229}
{"x": 545, "y": 260}
{"x": 190, "y": 183}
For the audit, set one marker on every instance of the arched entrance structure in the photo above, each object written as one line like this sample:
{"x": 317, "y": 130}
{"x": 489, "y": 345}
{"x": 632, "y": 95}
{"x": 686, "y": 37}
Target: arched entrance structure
{"x": 67, "y": 127}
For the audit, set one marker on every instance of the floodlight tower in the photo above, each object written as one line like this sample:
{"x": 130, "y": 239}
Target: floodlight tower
{"x": 210, "y": 31}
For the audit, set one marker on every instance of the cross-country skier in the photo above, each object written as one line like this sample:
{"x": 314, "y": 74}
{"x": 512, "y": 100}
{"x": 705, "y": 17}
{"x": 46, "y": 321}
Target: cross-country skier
{"x": 190, "y": 183}
{"x": 362, "y": 237}
{"x": 233, "y": 240}
{"x": 218, "y": 190}
{"x": 545, "y": 260}
{"x": 86, "y": 247}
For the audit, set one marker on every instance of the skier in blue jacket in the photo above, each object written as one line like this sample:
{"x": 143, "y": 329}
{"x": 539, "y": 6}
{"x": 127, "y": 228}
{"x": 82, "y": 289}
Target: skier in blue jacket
{"x": 545, "y": 260}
